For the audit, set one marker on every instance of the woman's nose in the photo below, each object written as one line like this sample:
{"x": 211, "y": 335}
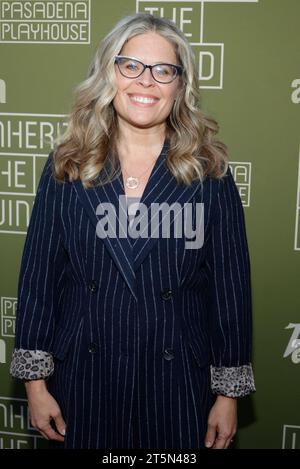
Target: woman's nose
{"x": 146, "y": 78}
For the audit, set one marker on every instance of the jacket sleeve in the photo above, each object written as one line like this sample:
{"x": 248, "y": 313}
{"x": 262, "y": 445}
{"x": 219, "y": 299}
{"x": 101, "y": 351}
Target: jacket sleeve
{"x": 229, "y": 295}
{"x": 41, "y": 283}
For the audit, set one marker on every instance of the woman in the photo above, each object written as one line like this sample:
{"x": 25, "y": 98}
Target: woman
{"x": 135, "y": 341}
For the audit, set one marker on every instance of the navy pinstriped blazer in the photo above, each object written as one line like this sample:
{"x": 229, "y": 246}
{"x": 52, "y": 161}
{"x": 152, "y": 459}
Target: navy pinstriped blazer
{"x": 137, "y": 337}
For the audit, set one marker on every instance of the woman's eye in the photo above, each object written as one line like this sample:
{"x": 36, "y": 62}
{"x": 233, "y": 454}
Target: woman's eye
{"x": 132, "y": 66}
{"x": 163, "y": 71}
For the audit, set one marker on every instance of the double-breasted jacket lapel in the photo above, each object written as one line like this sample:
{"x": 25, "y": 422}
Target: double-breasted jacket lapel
{"x": 161, "y": 187}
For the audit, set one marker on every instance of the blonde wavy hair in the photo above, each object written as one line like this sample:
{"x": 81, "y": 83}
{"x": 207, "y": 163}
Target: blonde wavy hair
{"x": 92, "y": 125}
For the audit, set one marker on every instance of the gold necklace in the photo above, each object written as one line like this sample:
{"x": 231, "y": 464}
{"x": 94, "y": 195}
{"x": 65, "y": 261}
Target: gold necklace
{"x": 132, "y": 182}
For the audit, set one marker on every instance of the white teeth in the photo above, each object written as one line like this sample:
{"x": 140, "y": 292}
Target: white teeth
{"x": 139, "y": 99}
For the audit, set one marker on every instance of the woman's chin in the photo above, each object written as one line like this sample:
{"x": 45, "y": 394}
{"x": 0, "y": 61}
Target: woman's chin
{"x": 142, "y": 123}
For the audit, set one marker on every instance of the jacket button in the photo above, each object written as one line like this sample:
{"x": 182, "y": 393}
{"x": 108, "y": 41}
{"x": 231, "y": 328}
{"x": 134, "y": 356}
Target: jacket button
{"x": 168, "y": 354}
{"x": 93, "y": 286}
{"x": 92, "y": 347}
{"x": 166, "y": 294}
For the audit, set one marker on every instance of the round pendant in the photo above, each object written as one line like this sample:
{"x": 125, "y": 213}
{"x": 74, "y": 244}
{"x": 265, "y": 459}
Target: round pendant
{"x": 132, "y": 182}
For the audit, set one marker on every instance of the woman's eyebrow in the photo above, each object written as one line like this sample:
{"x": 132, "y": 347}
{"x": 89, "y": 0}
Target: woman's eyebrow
{"x": 146, "y": 62}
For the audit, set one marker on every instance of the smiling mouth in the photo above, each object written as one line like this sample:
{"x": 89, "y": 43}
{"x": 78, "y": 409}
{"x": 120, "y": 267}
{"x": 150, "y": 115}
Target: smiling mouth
{"x": 143, "y": 99}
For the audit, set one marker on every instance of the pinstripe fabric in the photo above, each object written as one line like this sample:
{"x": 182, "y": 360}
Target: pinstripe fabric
{"x": 134, "y": 327}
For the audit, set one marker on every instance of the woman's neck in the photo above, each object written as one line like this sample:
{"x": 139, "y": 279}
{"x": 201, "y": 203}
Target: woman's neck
{"x": 139, "y": 145}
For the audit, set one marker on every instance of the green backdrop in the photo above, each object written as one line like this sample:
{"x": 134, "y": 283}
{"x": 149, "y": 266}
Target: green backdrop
{"x": 248, "y": 60}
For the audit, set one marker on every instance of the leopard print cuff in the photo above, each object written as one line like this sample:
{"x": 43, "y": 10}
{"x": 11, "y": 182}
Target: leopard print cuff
{"x": 234, "y": 381}
{"x": 31, "y": 364}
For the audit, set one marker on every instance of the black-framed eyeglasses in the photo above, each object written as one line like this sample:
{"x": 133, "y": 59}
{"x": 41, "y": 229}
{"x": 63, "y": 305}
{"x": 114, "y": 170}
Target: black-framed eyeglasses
{"x": 161, "y": 72}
